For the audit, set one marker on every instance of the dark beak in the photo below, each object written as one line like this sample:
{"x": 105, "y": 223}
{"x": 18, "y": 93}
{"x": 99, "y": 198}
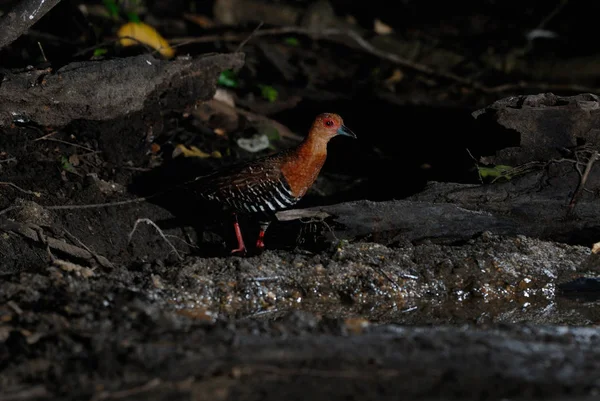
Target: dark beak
{"x": 343, "y": 130}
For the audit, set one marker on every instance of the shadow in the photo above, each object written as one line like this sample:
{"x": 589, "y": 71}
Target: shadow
{"x": 168, "y": 186}
{"x": 171, "y": 187}
{"x": 582, "y": 289}
{"x": 399, "y": 148}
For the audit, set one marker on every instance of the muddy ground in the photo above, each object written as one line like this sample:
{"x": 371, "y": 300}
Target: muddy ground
{"x": 459, "y": 264}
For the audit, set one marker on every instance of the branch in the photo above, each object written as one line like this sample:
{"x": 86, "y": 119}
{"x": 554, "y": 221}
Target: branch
{"x": 363, "y": 44}
{"x": 582, "y": 181}
{"x": 21, "y": 18}
{"x": 160, "y": 232}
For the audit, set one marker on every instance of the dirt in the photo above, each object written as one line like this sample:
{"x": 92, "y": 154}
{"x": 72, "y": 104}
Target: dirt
{"x": 230, "y": 327}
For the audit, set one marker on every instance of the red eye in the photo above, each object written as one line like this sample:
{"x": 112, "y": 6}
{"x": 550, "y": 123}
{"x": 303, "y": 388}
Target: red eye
{"x": 328, "y": 123}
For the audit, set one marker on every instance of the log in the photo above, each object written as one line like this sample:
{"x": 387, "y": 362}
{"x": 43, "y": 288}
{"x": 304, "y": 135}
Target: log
{"x": 108, "y": 89}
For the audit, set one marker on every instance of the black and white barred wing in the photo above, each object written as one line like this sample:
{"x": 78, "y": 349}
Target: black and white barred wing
{"x": 253, "y": 188}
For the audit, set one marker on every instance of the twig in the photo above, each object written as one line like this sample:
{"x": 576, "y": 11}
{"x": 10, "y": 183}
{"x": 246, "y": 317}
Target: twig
{"x": 265, "y": 279}
{"x": 42, "y": 51}
{"x": 297, "y": 214}
{"x": 108, "y": 204}
{"x": 476, "y": 165}
{"x": 42, "y": 239}
{"x": 583, "y": 180}
{"x": 128, "y": 393}
{"x": 46, "y": 138}
{"x": 18, "y": 20}
{"x": 182, "y": 240}
{"x": 388, "y": 278}
{"x": 99, "y": 205}
{"x": 118, "y": 203}
{"x": 10, "y": 159}
{"x": 74, "y": 251}
{"x": 30, "y": 393}
{"x": 112, "y": 42}
{"x": 10, "y": 184}
{"x": 329, "y": 34}
{"x": 9, "y": 209}
{"x": 239, "y": 48}
{"x": 160, "y": 232}
{"x": 348, "y": 373}
{"x": 258, "y": 118}
{"x": 84, "y": 246}
{"x": 542, "y": 25}
{"x": 97, "y": 46}
{"x": 90, "y": 205}
{"x": 552, "y": 14}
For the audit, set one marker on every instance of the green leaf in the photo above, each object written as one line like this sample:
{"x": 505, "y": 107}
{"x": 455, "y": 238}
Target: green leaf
{"x": 100, "y": 52}
{"x": 112, "y": 7}
{"x": 273, "y": 134}
{"x": 495, "y": 172}
{"x": 133, "y": 17}
{"x": 268, "y": 92}
{"x": 66, "y": 165}
{"x": 228, "y": 78}
{"x": 270, "y": 131}
{"x": 291, "y": 41}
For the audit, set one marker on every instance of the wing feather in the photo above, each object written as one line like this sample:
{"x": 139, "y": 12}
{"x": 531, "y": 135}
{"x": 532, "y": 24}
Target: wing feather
{"x": 257, "y": 186}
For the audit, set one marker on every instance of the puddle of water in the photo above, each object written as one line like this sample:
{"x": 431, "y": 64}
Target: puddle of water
{"x": 540, "y": 311}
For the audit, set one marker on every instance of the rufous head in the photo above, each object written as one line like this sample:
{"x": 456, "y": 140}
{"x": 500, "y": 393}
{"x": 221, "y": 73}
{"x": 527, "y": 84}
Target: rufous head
{"x": 328, "y": 125}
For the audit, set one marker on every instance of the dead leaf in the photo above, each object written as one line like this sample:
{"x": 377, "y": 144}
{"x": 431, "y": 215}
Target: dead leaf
{"x": 70, "y": 267}
{"x": 396, "y": 77}
{"x": 255, "y": 143}
{"x": 201, "y": 20}
{"x": 74, "y": 160}
{"x": 218, "y": 115}
{"x": 382, "y": 28}
{"x": 224, "y": 96}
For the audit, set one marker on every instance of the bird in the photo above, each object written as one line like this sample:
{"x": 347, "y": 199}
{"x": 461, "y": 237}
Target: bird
{"x": 272, "y": 183}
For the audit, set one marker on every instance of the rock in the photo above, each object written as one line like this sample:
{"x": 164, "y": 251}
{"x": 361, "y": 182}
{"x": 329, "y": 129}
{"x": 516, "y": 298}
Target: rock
{"x": 537, "y": 127}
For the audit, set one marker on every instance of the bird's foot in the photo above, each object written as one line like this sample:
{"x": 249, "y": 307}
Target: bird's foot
{"x": 241, "y": 250}
{"x": 260, "y": 244}
{"x": 238, "y": 234}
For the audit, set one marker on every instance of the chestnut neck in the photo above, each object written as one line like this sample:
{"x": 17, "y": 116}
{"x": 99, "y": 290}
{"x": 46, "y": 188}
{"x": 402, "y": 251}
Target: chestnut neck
{"x": 314, "y": 145}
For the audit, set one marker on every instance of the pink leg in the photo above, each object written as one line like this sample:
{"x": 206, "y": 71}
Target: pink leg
{"x": 260, "y": 242}
{"x": 238, "y": 234}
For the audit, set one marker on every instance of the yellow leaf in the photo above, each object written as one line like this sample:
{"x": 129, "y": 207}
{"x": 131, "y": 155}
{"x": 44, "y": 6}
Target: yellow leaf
{"x": 134, "y": 33}
{"x": 192, "y": 151}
